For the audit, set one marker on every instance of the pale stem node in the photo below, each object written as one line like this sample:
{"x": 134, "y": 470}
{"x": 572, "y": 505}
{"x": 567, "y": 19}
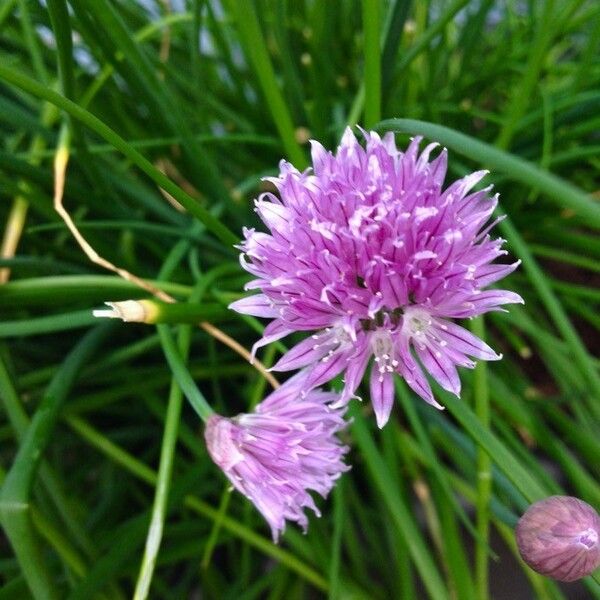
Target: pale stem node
{"x": 130, "y": 311}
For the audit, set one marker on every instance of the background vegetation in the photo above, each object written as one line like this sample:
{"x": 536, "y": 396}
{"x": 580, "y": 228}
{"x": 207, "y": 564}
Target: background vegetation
{"x": 202, "y": 99}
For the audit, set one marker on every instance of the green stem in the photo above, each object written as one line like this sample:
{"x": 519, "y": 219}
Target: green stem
{"x": 399, "y": 510}
{"x": 32, "y": 42}
{"x": 16, "y": 490}
{"x": 190, "y": 204}
{"x": 545, "y": 588}
{"x": 531, "y": 489}
{"x": 523, "y": 91}
{"x": 436, "y": 27}
{"x": 20, "y": 422}
{"x": 406, "y": 60}
{"x": 254, "y": 42}
{"x": 5, "y": 10}
{"x": 19, "y": 480}
{"x": 18, "y": 213}
{"x": 160, "y": 142}
{"x": 165, "y": 471}
{"x": 484, "y": 472}
{"x": 111, "y": 450}
{"x": 182, "y": 375}
{"x": 216, "y": 528}
{"x": 336, "y": 541}
{"x": 140, "y": 36}
{"x": 59, "y": 18}
{"x": 40, "y": 291}
{"x": 428, "y": 450}
{"x": 49, "y": 324}
{"x": 562, "y": 255}
{"x": 372, "y": 76}
{"x": 57, "y": 540}
{"x": 137, "y": 66}
{"x": 556, "y": 311}
{"x": 170, "y": 435}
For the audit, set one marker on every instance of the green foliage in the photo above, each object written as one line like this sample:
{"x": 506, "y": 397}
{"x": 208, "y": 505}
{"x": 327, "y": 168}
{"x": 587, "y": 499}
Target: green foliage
{"x": 170, "y": 117}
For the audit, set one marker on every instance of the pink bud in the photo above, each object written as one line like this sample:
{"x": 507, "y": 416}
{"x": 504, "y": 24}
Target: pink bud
{"x": 560, "y": 537}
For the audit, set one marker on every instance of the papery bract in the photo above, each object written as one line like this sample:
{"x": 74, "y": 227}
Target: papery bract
{"x": 281, "y": 451}
{"x": 560, "y": 537}
{"x": 373, "y": 256}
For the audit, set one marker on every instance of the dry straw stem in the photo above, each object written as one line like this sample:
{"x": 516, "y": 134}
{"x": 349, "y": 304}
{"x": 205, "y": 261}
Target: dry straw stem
{"x": 166, "y": 167}
{"x": 12, "y": 234}
{"x": 61, "y": 160}
{"x": 18, "y": 212}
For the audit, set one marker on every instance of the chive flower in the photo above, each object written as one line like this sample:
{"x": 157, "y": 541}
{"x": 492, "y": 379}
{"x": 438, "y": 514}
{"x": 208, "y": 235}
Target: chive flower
{"x": 370, "y": 254}
{"x": 285, "y": 448}
{"x": 560, "y": 537}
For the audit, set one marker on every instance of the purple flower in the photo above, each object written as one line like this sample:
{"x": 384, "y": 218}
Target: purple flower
{"x": 285, "y": 448}
{"x": 560, "y": 537}
{"x": 372, "y": 255}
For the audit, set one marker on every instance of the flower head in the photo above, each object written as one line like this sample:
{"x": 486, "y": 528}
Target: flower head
{"x": 284, "y": 449}
{"x": 560, "y": 537}
{"x": 373, "y": 256}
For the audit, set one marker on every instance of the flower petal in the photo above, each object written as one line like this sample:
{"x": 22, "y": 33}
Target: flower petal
{"x": 305, "y": 353}
{"x": 382, "y": 395}
{"x": 355, "y": 371}
{"x": 257, "y": 305}
{"x": 464, "y": 341}
{"x": 274, "y": 331}
{"x": 491, "y": 273}
{"x": 326, "y": 370}
{"x": 440, "y": 367}
{"x": 414, "y": 377}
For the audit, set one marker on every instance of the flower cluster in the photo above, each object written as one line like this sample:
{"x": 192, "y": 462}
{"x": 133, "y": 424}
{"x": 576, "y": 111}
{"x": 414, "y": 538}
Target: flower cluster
{"x": 371, "y": 255}
{"x": 286, "y": 447}
{"x": 374, "y": 259}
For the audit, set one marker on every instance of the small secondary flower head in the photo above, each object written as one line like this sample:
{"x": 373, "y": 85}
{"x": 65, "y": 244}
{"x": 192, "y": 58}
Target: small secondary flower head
{"x": 284, "y": 449}
{"x": 370, "y": 254}
{"x": 560, "y": 537}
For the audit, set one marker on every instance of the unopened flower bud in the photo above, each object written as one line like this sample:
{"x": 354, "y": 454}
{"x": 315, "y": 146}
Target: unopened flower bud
{"x": 560, "y": 537}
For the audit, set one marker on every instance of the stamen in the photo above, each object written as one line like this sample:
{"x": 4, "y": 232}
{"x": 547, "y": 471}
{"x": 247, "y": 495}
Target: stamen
{"x": 382, "y": 345}
{"x": 340, "y": 340}
{"x": 417, "y": 322}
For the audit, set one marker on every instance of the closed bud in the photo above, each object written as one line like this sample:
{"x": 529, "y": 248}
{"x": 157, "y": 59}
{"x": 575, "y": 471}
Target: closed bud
{"x": 560, "y": 537}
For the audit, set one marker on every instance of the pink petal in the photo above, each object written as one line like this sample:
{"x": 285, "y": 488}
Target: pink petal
{"x": 414, "y": 377}
{"x": 355, "y": 371}
{"x": 492, "y": 273}
{"x": 382, "y": 395}
{"x": 305, "y": 353}
{"x": 438, "y": 168}
{"x": 440, "y": 368}
{"x": 464, "y": 341}
{"x": 273, "y": 214}
{"x": 326, "y": 370}
{"x": 257, "y": 306}
{"x": 274, "y": 331}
